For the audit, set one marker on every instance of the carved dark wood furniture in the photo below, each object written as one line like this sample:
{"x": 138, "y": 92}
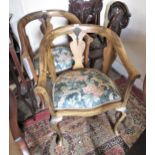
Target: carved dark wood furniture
{"x": 88, "y": 11}
{"x": 24, "y": 87}
{"x": 14, "y": 127}
{"x": 118, "y": 17}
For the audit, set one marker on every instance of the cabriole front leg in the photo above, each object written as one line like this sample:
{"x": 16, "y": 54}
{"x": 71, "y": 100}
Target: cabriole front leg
{"x": 54, "y": 122}
{"x": 123, "y": 111}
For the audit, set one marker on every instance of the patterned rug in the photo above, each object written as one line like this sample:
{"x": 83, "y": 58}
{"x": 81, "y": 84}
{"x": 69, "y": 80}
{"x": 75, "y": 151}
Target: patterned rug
{"x": 89, "y": 136}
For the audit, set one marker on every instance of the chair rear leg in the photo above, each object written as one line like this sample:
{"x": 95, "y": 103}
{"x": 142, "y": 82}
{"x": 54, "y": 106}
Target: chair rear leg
{"x": 122, "y": 117}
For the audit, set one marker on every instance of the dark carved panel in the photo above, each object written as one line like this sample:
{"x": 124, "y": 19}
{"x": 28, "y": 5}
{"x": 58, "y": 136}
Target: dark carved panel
{"x": 118, "y": 16}
{"x": 88, "y": 11}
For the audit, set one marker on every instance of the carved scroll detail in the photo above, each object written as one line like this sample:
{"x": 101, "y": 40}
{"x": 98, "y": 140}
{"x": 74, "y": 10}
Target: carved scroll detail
{"x": 77, "y": 47}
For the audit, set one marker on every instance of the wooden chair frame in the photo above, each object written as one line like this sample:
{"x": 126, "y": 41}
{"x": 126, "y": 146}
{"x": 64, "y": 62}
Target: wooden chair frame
{"x": 27, "y": 55}
{"x": 46, "y": 59}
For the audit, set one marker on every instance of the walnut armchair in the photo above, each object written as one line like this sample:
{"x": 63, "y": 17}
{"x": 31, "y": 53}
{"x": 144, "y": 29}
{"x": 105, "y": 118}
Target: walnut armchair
{"x": 83, "y": 91}
{"x": 62, "y": 54}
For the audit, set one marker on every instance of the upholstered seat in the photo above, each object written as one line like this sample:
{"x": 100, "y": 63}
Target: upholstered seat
{"x": 84, "y": 89}
{"x": 62, "y": 59}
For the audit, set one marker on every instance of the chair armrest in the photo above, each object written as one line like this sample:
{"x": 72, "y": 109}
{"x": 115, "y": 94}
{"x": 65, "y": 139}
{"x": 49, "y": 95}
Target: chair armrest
{"x": 15, "y": 131}
{"x": 120, "y": 51}
{"x": 130, "y": 83}
{"x": 119, "y": 48}
{"x": 132, "y": 72}
{"x": 46, "y": 63}
{"x": 41, "y": 91}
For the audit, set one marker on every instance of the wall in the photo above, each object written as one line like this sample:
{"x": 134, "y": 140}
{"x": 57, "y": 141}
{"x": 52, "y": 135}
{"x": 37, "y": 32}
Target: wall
{"x": 133, "y": 36}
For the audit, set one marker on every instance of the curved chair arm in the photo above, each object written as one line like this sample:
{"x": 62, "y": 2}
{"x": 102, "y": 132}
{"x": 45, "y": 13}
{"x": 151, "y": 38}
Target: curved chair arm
{"x": 40, "y": 91}
{"x": 132, "y": 72}
{"x": 43, "y": 63}
{"x": 120, "y": 50}
{"x": 128, "y": 89}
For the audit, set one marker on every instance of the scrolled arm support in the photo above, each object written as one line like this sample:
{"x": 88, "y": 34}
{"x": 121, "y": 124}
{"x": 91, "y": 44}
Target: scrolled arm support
{"x": 120, "y": 50}
{"x": 131, "y": 81}
{"x": 42, "y": 91}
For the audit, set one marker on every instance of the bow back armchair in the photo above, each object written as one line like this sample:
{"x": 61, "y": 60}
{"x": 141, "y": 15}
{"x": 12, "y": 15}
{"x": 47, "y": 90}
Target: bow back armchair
{"x": 62, "y": 54}
{"x": 82, "y": 91}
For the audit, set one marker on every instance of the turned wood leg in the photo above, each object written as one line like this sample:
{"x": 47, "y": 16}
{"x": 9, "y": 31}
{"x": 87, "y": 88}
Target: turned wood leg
{"x": 123, "y": 115}
{"x": 55, "y": 125}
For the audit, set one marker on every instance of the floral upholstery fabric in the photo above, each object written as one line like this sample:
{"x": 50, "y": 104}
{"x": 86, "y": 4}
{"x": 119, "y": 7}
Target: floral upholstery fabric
{"x": 81, "y": 89}
{"x": 62, "y": 59}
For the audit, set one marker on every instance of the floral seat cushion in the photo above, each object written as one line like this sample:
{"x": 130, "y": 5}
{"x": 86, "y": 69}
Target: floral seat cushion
{"x": 83, "y": 89}
{"x": 62, "y": 59}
